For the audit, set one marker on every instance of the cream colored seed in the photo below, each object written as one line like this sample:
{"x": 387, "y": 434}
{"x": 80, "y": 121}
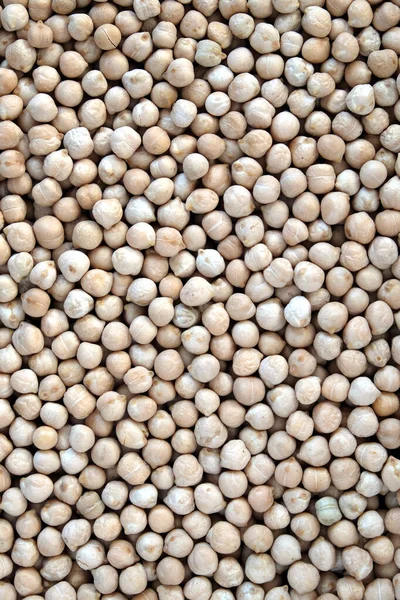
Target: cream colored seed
{"x": 199, "y": 300}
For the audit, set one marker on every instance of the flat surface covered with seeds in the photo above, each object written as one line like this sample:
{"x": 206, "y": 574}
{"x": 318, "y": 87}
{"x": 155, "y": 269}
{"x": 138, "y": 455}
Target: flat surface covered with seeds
{"x": 199, "y": 300}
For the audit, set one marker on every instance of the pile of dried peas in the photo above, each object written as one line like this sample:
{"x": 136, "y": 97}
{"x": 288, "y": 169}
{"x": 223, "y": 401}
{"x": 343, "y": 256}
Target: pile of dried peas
{"x": 199, "y": 300}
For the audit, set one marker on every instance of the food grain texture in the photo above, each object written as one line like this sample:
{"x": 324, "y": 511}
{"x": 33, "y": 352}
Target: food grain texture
{"x": 199, "y": 300}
